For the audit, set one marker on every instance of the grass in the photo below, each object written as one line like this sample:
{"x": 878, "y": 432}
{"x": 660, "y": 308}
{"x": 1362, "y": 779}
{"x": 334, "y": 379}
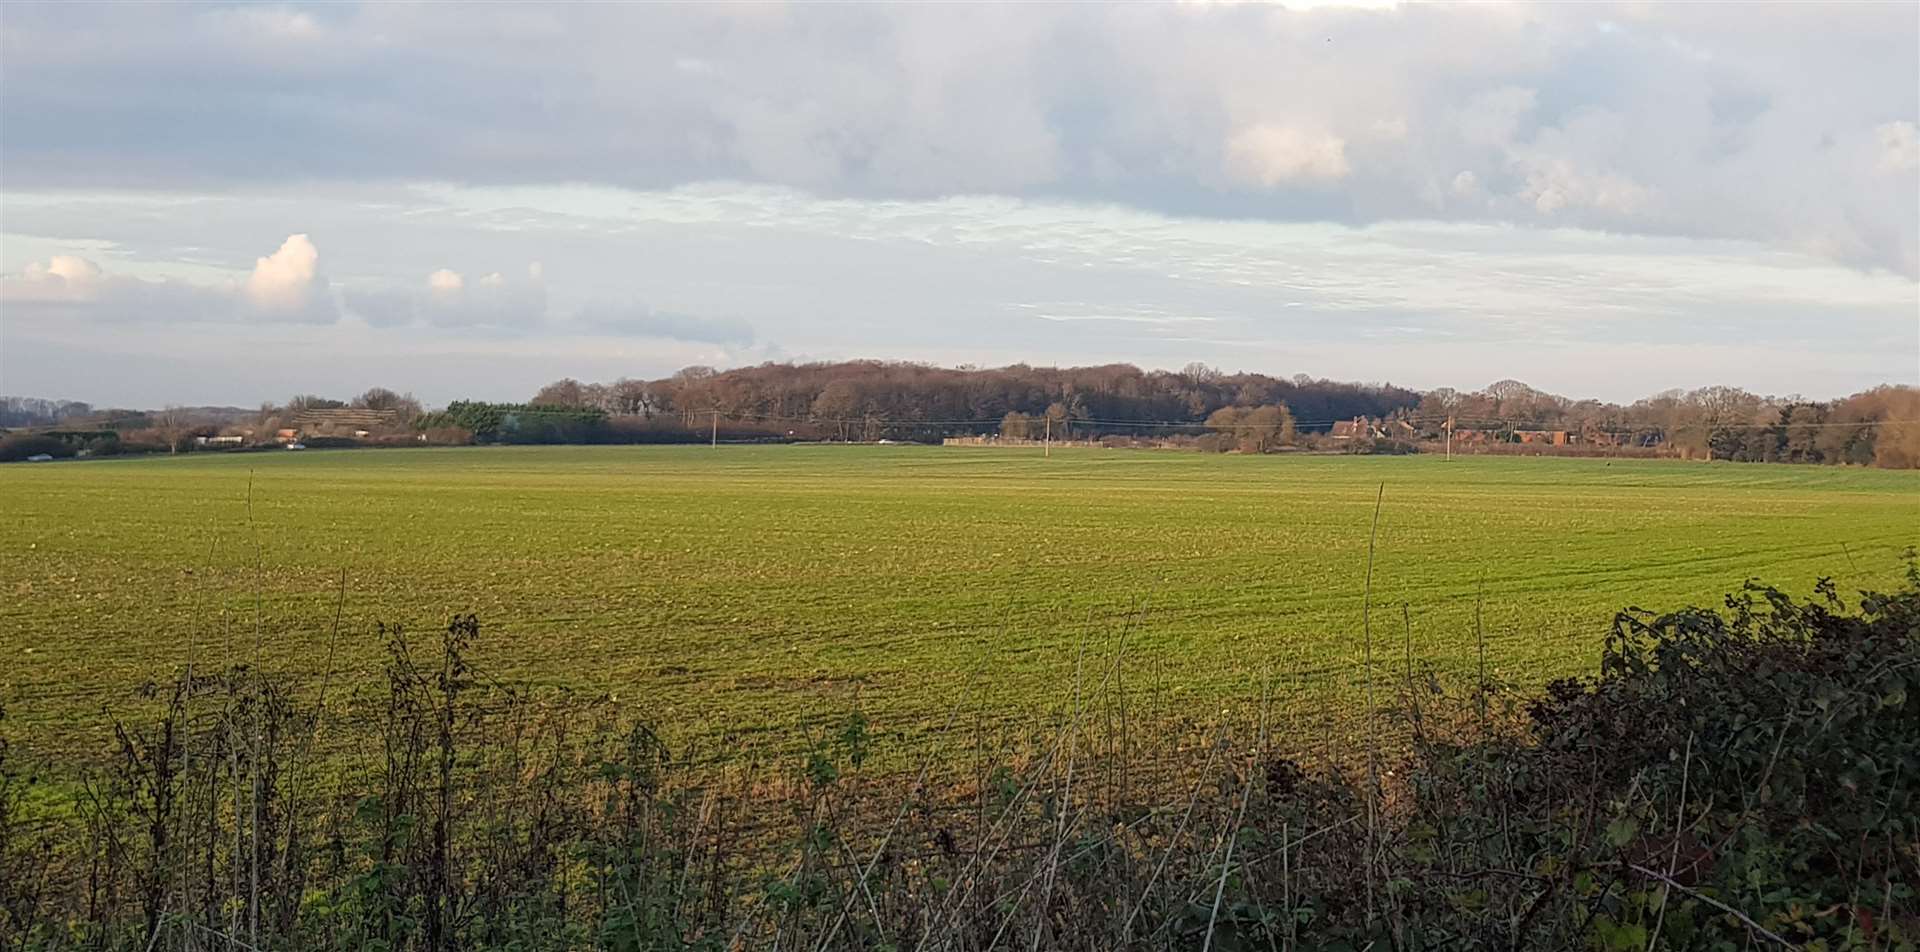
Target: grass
{"x": 763, "y": 591}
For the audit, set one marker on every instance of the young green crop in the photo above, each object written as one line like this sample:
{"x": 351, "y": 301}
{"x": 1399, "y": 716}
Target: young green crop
{"x": 744, "y": 590}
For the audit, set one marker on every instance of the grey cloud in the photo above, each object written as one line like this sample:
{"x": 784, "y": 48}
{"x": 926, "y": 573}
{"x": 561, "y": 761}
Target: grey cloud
{"x": 451, "y": 299}
{"x": 111, "y": 299}
{"x": 490, "y": 300}
{"x": 381, "y": 307}
{"x": 635, "y": 319}
{"x": 1766, "y": 123}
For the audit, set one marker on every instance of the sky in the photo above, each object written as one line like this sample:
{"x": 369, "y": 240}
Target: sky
{"x": 225, "y": 204}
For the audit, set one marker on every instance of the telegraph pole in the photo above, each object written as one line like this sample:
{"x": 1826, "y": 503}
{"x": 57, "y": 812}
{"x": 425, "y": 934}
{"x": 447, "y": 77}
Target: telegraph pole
{"x": 1048, "y": 451}
{"x": 716, "y": 430}
{"x": 1449, "y": 439}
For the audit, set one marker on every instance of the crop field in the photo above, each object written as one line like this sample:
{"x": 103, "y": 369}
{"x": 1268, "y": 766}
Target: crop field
{"x": 761, "y": 591}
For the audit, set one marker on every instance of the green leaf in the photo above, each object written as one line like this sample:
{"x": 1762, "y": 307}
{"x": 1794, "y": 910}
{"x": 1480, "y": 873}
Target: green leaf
{"x": 1622, "y": 831}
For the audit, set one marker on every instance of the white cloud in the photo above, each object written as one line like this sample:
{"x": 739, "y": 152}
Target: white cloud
{"x": 285, "y": 281}
{"x": 283, "y": 286}
{"x": 1270, "y": 155}
{"x": 74, "y": 270}
{"x": 61, "y": 277}
{"x": 1555, "y": 184}
{"x": 69, "y": 287}
{"x": 1899, "y": 147}
{"x": 494, "y": 302}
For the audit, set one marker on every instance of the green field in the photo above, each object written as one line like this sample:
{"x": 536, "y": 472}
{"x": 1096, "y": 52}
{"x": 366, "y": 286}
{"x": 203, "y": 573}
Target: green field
{"x": 762, "y": 589}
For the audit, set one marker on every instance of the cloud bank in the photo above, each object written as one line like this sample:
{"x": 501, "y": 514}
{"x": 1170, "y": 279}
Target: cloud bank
{"x": 1604, "y": 198}
{"x": 288, "y": 286}
{"x": 641, "y": 283}
{"x": 1791, "y": 125}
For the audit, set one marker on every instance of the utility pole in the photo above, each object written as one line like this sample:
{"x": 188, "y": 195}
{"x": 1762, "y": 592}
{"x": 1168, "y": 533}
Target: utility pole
{"x": 716, "y": 430}
{"x": 1047, "y": 452}
{"x": 1449, "y": 439}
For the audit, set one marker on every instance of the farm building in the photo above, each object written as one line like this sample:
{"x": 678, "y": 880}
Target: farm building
{"x": 1367, "y": 428}
{"x": 1552, "y": 437}
{"x": 354, "y": 423}
{"x": 1358, "y": 428}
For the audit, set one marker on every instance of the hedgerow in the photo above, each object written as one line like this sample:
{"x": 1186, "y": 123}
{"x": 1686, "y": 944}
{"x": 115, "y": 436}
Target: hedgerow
{"x": 1734, "y": 778}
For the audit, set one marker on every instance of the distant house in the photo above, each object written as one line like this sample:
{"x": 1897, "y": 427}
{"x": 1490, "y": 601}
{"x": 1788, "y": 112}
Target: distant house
{"x": 1358, "y": 428}
{"x": 230, "y": 439}
{"x": 1551, "y": 437}
{"x": 286, "y": 434}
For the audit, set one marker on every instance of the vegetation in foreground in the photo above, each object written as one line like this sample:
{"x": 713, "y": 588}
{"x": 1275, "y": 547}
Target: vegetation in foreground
{"x": 1729, "y": 780}
{"x": 751, "y": 590}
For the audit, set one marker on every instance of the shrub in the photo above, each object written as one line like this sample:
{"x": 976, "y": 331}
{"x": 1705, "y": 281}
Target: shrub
{"x": 1214, "y": 442}
{"x": 1729, "y": 777}
{"x": 1375, "y": 446}
{"x": 447, "y": 435}
{"x": 520, "y": 423}
{"x": 19, "y": 446}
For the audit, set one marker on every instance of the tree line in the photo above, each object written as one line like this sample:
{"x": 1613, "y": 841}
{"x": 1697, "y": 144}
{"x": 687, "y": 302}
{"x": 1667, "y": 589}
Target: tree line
{"x": 33, "y": 411}
{"x": 1880, "y": 426}
{"x": 1246, "y": 411}
{"x": 851, "y": 398}
{"x": 1199, "y": 405}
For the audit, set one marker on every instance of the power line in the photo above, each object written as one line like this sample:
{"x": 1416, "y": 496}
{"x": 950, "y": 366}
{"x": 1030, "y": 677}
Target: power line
{"x": 1485, "y": 422}
{"x": 1477, "y": 422}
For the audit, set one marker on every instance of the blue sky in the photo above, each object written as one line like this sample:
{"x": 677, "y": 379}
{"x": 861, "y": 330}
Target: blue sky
{"x": 231, "y": 203}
